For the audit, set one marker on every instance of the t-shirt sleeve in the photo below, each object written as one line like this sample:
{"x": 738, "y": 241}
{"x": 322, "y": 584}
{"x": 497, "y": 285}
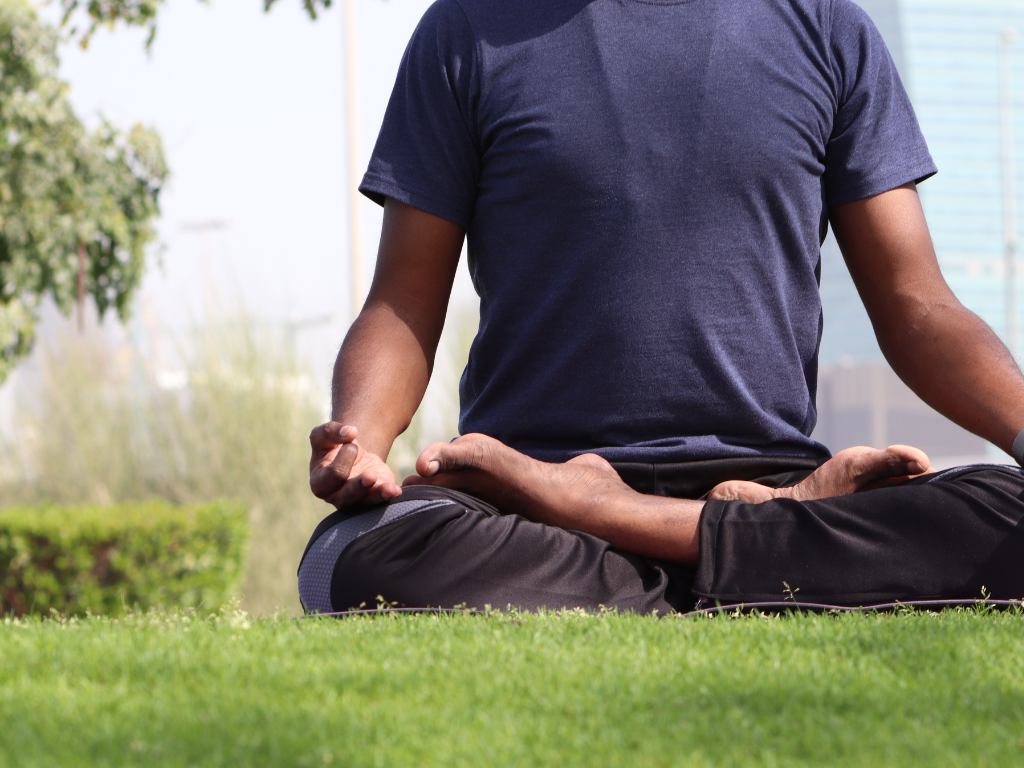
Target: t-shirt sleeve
{"x": 427, "y": 153}
{"x": 876, "y": 142}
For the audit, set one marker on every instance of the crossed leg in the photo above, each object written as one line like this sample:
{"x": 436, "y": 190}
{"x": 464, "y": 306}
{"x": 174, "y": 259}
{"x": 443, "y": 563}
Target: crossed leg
{"x": 936, "y": 536}
{"x": 586, "y": 494}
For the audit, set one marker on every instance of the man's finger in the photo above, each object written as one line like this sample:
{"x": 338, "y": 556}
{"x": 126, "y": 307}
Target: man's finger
{"x": 383, "y": 490}
{"x": 345, "y": 459}
{"x": 332, "y": 433}
{"x": 356, "y": 491}
{"x": 325, "y": 480}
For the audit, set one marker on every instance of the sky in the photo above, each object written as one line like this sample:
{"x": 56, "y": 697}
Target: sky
{"x": 250, "y": 106}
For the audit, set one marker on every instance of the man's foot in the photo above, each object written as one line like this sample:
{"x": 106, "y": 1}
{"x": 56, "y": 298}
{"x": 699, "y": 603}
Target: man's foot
{"x": 513, "y": 482}
{"x": 849, "y": 471}
{"x": 584, "y": 494}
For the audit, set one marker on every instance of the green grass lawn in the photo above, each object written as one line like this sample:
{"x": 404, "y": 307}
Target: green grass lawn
{"x": 912, "y": 689}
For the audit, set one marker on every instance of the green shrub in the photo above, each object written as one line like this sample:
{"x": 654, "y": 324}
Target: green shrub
{"x": 236, "y": 426}
{"x": 103, "y": 559}
{"x": 237, "y": 429}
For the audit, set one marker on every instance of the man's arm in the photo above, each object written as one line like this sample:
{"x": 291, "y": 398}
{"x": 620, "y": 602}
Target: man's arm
{"x": 942, "y": 351}
{"x": 385, "y": 362}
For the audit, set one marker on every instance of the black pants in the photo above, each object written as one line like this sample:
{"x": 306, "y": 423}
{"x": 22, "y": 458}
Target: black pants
{"x": 945, "y": 536}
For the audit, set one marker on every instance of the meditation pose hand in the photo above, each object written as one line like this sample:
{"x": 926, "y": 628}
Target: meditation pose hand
{"x": 342, "y": 472}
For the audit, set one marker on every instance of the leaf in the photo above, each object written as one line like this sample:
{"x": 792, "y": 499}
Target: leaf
{"x": 137, "y": 13}
{"x": 62, "y": 187}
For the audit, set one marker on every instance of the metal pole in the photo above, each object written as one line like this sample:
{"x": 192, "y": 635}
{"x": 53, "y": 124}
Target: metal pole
{"x": 1006, "y": 39}
{"x": 879, "y": 407}
{"x": 81, "y": 288}
{"x": 355, "y": 223}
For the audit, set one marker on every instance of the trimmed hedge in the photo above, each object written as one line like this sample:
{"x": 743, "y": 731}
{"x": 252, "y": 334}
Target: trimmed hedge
{"x": 105, "y": 559}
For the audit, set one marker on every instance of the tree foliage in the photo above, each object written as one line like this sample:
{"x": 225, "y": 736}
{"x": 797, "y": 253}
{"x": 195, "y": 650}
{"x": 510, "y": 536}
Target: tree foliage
{"x": 65, "y": 192}
{"x": 136, "y": 13}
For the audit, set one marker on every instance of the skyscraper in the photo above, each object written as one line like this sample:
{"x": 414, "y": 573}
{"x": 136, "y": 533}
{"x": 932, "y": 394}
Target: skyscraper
{"x": 970, "y": 107}
{"x": 971, "y": 110}
{"x": 964, "y": 72}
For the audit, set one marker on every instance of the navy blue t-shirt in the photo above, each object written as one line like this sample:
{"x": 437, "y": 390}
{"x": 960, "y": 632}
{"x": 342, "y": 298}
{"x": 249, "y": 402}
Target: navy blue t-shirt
{"x": 645, "y": 186}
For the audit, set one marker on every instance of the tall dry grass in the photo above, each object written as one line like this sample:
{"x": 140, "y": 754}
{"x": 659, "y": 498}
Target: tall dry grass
{"x": 99, "y": 422}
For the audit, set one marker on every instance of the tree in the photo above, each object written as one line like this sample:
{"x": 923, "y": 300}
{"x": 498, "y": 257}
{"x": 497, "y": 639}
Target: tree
{"x": 77, "y": 207}
{"x": 137, "y": 13}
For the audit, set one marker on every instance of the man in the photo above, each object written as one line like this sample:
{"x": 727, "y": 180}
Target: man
{"x": 645, "y": 185}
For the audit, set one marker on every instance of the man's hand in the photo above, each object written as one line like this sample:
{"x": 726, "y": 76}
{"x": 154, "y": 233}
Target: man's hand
{"x": 850, "y": 471}
{"x": 343, "y": 473}
{"x": 384, "y": 365}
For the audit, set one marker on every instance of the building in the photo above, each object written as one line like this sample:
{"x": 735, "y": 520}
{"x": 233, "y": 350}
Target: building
{"x": 971, "y": 107}
{"x": 965, "y": 76}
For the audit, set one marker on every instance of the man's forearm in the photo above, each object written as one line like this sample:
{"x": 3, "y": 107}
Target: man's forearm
{"x": 944, "y": 352}
{"x": 384, "y": 365}
{"x": 954, "y": 361}
{"x": 380, "y": 376}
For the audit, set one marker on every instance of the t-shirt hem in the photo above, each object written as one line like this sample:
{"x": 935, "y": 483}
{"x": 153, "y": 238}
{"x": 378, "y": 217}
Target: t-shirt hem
{"x": 377, "y": 188}
{"x": 917, "y": 173}
{"x": 680, "y": 454}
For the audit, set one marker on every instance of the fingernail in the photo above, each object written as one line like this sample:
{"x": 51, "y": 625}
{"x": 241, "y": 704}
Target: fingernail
{"x": 433, "y": 467}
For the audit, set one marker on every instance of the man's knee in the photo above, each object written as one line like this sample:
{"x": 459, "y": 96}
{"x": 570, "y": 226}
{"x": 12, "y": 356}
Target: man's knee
{"x": 941, "y": 536}
{"x": 406, "y": 523}
{"x": 410, "y": 562}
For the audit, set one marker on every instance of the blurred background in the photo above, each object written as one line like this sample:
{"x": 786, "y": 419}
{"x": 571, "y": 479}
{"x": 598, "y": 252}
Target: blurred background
{"x": 963, "y": 66}
{"x": 212, "y": 386}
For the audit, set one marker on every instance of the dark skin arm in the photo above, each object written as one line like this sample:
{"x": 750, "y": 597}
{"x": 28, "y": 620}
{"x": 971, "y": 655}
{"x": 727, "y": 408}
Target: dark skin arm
{"x": 941, "y": 350}
{"x": 385, "y": 362}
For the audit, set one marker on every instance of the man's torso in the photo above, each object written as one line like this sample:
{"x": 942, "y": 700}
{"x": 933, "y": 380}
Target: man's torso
{"x": 644, "y": 230}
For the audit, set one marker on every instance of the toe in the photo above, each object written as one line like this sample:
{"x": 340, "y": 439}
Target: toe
{"x": 433, "y": 459}
{"x": 466, "y": 452}
{"x": 741, "y": 490}
{"x": 908, "y": 460}
{"x": 894, "y": 461}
